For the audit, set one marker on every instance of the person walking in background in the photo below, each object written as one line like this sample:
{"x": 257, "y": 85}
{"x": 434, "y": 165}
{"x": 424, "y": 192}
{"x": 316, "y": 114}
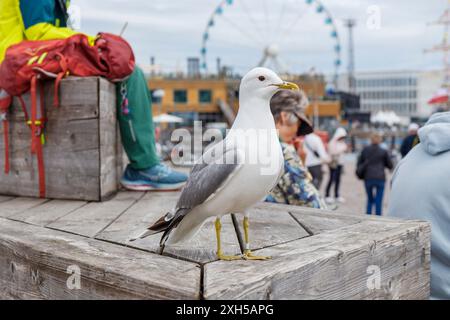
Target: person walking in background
{"x": 295, "y": 186}
{"x": 421, "y": 191}
{"x": 336, "y": 149}
{"x": 371, "y": 168}
{"x": 316, "y": 156}
{"x": 411, "y": 140}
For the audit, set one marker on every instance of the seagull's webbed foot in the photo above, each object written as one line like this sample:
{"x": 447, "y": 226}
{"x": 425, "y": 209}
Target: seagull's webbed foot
{"x": 220, "y": 254}
{"x": 223, "y": 257}
{"x": 248, "y": 255}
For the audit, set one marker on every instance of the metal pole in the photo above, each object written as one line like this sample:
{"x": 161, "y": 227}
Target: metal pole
{"x": 350, "y": 24}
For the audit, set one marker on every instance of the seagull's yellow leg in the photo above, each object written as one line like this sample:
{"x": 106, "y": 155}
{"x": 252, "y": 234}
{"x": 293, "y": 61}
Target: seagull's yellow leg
{"x": 248, "y": 255}
{"x": 219, "y": 248}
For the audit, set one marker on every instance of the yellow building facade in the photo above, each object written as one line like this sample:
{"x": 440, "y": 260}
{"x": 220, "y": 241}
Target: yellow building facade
{"x": 188, "y": 95}
{"x": 203, "y": 96}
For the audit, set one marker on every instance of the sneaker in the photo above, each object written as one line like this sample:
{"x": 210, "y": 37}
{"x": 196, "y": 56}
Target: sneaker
{"x": 329, "y": 200}
{"x": 341, "y": 200}
{"x": 157, "y": 178}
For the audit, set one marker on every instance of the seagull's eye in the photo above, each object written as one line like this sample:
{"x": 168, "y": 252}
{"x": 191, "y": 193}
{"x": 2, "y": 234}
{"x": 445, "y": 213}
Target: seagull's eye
{"x": 262, "y": 78}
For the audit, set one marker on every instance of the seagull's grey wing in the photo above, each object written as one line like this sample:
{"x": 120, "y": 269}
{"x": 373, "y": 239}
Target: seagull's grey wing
{"x": 205, "y": 183}
{"x": 206, "y": 179}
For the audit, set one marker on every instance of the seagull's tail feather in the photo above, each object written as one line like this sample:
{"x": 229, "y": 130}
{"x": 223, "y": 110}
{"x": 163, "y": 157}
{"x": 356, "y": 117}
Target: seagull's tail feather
{"x": 179, "y": 215}
{"x": 159, "y": 226}
{"x": 164, "y": 225}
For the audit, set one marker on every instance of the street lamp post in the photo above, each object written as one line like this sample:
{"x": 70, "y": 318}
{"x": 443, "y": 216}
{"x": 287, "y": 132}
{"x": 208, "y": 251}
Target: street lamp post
{"x": 313, "y": 75}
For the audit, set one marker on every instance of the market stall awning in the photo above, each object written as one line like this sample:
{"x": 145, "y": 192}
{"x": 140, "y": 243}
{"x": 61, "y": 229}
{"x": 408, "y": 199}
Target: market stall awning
{"x": 441, "y": 97}
{"x": 167, "y": 118}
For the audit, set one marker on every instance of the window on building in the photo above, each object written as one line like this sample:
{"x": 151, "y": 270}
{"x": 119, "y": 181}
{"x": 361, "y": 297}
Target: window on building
{"x": 156, "y": 98}
{"x": 205, "y": 96}
{"x": 180, "y": 96}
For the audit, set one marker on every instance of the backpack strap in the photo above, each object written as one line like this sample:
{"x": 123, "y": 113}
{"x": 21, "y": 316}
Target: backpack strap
{"x": 6, "y": 141}
{"x": 37, "y": 132}
{"x": 5, "y": 102}
{"x": 64, "y": 72}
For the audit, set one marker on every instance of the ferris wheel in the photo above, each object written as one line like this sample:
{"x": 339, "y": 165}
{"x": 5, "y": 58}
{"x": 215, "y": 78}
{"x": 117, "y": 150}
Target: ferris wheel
{"x": 289, "y": 36}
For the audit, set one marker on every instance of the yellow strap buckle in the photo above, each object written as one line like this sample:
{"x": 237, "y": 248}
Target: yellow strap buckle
{"x": 36, "y": 123}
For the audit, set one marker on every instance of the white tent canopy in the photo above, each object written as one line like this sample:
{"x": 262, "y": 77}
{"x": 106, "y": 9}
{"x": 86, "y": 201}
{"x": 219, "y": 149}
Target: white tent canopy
{"x": 167, "y": 118}
{"x": 389, "y": 118}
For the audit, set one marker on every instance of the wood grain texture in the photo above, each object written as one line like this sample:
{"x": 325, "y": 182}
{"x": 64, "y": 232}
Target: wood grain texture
{"x": 148, "y": 210}
{"x": 17, "y": 205}
{"x": 316, "y": 224}
{"x": 333, "y": 265}
{"x": 94, "y": 217}
{"x": 34, "y": 263}
{"x": 3, "y": 198}
{"x": 269, "y": 228}
{"x": 336, "y": 262}
{"x": 80, "y": 150}
{"x": 108, "y": 128}
{"x": 48, "y": 212}
{"x": 203, "y": 247}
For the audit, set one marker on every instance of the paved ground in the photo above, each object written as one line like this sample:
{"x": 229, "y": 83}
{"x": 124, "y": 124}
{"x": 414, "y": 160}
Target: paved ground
{"x": 352, "y": 189}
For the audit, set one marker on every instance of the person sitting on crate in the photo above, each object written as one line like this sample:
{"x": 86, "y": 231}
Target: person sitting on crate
{"x": 47, "y": 20}
{"x": 295, "y": 186}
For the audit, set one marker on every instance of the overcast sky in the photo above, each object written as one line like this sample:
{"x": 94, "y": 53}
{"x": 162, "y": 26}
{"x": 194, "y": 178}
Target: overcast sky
{"x": 172, "y": 31}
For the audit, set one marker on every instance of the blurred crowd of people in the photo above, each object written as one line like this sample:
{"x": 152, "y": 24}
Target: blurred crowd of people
{"x": 420, "y": 185}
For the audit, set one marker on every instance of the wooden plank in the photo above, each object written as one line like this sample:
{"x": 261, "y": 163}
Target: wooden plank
{"x": 80, "y": 162}
{"x": 71, "y": 159}
{"x": 201, "y": 248}
{"x": 78, "y": 100}
{"x": 319, "y": 223}
{"x": 3, "y": 198}
{"x": 109, "y": 176}
{"x": 34, "y": 263}
{"x": 317, "y": 212}
{"x": 48, "y": 212}
{"x": 269, "y": 228}
{"x": 18, "y": 205}
{"x": 333, "y": 265}
{"x": 138, "y": 217}
{"x": 94, "y": 217}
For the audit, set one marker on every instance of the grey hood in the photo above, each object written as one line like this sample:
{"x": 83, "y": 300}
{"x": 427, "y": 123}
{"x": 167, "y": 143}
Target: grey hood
{"x": 435, "y": 135}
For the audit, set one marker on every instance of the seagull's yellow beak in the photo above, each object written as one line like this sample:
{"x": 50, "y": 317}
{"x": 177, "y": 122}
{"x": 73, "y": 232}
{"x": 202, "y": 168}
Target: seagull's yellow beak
{"x": 288, "y": 86}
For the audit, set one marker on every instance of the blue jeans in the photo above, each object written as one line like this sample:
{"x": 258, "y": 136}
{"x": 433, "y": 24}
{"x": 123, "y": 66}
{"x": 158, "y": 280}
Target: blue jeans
{"x": 376, "y": 199}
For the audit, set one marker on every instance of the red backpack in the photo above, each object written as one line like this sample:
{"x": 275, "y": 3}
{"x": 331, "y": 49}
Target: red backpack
{"x": 30, "y": 61}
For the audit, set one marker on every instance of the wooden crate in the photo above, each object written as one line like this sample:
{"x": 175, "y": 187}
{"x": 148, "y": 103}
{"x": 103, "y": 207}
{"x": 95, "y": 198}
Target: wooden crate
{"x": 81, "y": 144}
{"x": 315, "y": 254}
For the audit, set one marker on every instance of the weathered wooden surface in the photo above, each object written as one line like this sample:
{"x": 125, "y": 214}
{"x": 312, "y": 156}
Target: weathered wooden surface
{"x": 80, "y": 163}
{"x": 18, "y": 205}
{"x": 94, "y": 217}
{"x": 316, "y": 254}
{"x": 153, "y": 206}
{"x": 48, "y": 212}
{"x": 34, "y": 263}
{"x": 333, "y": 265}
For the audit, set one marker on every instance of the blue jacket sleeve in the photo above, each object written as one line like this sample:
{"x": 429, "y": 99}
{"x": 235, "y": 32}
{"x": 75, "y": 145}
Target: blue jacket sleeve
{"x": 37, "y": 11}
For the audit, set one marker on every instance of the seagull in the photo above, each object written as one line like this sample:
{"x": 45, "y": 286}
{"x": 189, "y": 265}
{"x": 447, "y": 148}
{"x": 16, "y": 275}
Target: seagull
{"x": 235, "y": 173}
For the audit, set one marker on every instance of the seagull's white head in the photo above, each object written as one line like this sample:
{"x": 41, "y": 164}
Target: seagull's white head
{"x": 263, "y": 83}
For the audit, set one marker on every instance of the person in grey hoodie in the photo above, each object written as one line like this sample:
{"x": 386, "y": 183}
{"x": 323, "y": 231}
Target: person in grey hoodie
{"x": 424, "y": 175}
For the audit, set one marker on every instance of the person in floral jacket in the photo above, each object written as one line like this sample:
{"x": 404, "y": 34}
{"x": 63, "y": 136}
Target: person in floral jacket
{"x": 295, "y": 186}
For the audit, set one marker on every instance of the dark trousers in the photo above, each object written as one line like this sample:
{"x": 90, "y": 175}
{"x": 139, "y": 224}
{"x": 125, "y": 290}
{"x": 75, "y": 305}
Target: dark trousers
{"x": 317, "y": 174}
{"x": 375, "y": 194}
{"x": 335, "y": 178}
